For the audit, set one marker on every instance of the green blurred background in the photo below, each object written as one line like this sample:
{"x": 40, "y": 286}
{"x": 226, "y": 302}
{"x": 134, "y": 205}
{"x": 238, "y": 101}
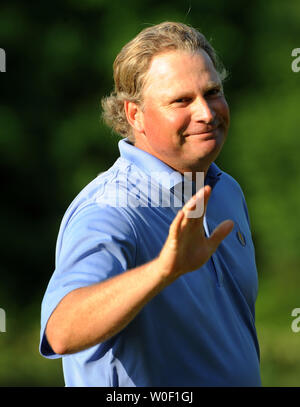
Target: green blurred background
{"x": 59, "y": 65}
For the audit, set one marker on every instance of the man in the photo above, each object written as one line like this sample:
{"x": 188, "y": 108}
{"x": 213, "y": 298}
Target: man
{"x": 147, "y": 293}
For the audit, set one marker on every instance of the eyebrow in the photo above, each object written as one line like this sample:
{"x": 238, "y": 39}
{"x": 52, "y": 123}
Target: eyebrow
{"x": 214, "y": 84}
{"x": 184, "y": 93}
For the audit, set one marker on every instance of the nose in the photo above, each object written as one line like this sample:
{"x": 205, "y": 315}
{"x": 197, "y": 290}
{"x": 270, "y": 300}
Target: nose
{"x": 203, "y": 111}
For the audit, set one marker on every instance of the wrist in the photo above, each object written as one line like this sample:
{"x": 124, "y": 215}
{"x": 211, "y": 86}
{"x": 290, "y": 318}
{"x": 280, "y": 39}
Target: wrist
{"x": 166, "y": 271}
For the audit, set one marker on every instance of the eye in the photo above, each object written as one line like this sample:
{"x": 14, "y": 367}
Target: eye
{"x": 214, "y": 92}
{"x": 182, "y": 100}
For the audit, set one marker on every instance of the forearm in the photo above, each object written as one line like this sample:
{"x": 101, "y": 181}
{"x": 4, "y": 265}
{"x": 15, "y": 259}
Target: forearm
{"x": 90, "y": 315}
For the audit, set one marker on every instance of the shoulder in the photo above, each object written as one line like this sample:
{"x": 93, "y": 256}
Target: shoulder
{"x": 94, "y": 211}
{"x": 99, "y": 197}
{"x": 229, "y": 184}
{"x": 232, "y": 195}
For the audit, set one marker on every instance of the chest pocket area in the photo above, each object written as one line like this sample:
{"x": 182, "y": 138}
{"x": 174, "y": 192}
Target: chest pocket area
{"x": 237, "y": 258}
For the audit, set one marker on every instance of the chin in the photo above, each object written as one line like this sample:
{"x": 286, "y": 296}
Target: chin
{"x": 203, "y": 161}
{"x": 209, "y": 148}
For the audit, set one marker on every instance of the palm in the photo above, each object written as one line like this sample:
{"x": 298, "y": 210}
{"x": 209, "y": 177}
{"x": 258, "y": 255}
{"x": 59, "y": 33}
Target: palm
{"x": 187, "y": 248}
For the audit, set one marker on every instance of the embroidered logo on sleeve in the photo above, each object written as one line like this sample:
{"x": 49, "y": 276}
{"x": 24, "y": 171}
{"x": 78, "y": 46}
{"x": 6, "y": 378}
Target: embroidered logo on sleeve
{"x": 241, "y": 237}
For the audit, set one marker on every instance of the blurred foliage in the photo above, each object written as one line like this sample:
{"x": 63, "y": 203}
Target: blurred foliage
{"x": 59, "y": 65}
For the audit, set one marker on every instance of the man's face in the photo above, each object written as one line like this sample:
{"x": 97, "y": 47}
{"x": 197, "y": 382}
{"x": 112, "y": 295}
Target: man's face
{"x": 185, "y": 117}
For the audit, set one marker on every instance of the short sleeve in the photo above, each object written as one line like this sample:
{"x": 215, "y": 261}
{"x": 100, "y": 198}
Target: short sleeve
{"x": 95, "y": 243}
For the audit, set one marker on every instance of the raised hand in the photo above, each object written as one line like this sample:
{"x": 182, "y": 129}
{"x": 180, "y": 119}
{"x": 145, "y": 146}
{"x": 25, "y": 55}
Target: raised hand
{"x": 187, "y": 248}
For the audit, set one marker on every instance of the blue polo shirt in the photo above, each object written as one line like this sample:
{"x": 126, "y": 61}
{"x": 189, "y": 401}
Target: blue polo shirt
{"x": 198, "y": 331}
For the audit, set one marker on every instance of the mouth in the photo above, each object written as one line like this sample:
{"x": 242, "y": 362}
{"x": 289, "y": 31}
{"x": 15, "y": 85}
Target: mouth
{"x": 204, "y": 134}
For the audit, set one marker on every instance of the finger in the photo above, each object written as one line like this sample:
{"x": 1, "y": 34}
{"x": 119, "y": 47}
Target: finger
{"x": 207, "y": 194}
{"x": 219, "y": 234}
{"x": 196, "y": 206}
{"x": 175, "y": 225}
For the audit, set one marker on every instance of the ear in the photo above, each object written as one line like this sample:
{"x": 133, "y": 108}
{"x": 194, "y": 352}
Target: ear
{"x": 134, "y": 115}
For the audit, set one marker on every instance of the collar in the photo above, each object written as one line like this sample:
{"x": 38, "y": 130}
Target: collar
{"x": 213, "y": 175}
{"x": 165, "y": 175}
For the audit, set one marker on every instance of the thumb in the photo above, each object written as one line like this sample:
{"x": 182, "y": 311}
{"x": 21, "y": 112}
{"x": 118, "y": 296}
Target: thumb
{"x": 219, "y": 234}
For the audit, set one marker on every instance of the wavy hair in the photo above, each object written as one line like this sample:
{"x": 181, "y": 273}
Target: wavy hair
{"x": 132, "y": 63}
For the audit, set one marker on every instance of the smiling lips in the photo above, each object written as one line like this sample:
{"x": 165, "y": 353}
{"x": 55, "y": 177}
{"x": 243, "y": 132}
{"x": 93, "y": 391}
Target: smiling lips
{"x": 206, "y": 131}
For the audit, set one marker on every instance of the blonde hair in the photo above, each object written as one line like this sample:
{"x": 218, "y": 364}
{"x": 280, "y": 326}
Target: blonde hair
{"x": 132, "y": 63}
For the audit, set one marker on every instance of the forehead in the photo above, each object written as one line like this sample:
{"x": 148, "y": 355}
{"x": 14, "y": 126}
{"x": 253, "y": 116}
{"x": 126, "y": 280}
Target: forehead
{"x": 172, "y": 71}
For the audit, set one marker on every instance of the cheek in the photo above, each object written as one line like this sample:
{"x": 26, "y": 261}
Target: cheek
{"x": 152, "y": 122}
{"x": 160, "y": 124}
{"x": 223, "y": 110}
